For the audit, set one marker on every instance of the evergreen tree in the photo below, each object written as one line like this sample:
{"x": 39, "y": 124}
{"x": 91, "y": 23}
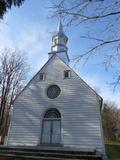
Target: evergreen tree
{"x": 7, "y": 4}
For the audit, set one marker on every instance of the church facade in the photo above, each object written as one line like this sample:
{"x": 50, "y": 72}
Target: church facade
{"x": 57, "y": 108}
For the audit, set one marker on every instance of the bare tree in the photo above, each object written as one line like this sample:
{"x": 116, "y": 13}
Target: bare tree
{"x": 111, "y": 121}
{"x": 101, "y": 20}
{"x": 13, "y": 70}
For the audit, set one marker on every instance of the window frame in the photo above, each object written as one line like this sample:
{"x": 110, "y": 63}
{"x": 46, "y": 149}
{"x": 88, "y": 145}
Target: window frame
{"x": 41, "y": 74}
{"x": 69, "y": 74}
{"x": 50, "y": 88}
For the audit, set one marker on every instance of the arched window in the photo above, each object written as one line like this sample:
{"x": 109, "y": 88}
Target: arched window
{"x": 52, "y": 113}
{"x": 51, "y": 127}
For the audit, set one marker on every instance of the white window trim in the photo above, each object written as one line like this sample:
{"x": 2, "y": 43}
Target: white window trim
{"x": 43, "y": 76}
{"x": 69, "y": 74}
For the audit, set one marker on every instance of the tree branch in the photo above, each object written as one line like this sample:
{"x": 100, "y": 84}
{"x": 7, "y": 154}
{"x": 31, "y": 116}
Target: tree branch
{"x": 96, "y": 47}
{"x": 90, "y": 17}
{"x": 92, "y": 38}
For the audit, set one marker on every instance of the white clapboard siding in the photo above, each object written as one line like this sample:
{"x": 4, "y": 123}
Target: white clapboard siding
{"x": 78, "y": 104}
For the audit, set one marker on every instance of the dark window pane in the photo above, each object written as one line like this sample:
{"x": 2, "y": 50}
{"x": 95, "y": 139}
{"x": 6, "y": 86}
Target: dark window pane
{"x": 42, "y": 76}
{"x": 66, "y": 74}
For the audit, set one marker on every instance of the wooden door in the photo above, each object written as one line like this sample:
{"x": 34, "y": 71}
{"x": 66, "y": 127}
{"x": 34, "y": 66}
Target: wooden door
{"x": 51, "y": 132}
{"x": 46, "y": 132}
{"x": 56, "y": 132}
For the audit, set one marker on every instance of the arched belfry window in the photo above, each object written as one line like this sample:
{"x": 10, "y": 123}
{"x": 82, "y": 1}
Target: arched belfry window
{"x": 51, "y": 127}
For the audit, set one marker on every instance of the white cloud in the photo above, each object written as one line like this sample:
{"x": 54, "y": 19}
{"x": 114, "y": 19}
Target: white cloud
{"x": 32, "y": 39}
{"x": 5, "y": 40}
{"x": 29, "y": 39}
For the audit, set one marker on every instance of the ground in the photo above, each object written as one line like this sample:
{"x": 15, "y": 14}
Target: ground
{"x": 113, "y": 150}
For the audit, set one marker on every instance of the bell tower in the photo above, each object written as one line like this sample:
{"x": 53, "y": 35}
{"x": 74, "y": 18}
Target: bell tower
{"x": 59, "y": 44}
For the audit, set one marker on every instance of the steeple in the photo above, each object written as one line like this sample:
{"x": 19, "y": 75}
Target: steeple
{"x": 60, "y": 27}
{"x": 59, "y": 44}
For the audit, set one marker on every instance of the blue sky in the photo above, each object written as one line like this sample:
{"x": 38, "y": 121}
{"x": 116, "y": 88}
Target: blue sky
{"x": 29, "y": 29}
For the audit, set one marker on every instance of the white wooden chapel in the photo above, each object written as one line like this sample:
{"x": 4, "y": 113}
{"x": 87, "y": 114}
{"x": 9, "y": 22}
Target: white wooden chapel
{"x": 57, "y": 107}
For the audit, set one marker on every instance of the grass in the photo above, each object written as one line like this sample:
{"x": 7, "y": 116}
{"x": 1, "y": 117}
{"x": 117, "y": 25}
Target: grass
{"x": 113, "y": 150}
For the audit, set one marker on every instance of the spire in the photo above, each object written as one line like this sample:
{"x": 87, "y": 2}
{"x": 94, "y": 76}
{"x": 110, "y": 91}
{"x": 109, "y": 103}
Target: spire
{"x": 60, "y": 27}
{"x": 59, "y": 43}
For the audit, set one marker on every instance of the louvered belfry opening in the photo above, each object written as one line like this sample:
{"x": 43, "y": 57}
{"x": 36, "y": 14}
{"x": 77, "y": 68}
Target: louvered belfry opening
{"x": 51, "y": 127}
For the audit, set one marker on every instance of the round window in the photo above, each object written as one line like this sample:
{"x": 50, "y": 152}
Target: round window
{"x": 53, "y": 91}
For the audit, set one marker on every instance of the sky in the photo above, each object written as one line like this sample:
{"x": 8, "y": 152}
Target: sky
{"x": 30, "y": 30}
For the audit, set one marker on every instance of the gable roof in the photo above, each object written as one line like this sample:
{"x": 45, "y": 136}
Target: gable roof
{"x": 34, "y": 77}
{"x": 99, "y": 97}
{"x": 81, "y": 79}
{"x": 50, "y": 59}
